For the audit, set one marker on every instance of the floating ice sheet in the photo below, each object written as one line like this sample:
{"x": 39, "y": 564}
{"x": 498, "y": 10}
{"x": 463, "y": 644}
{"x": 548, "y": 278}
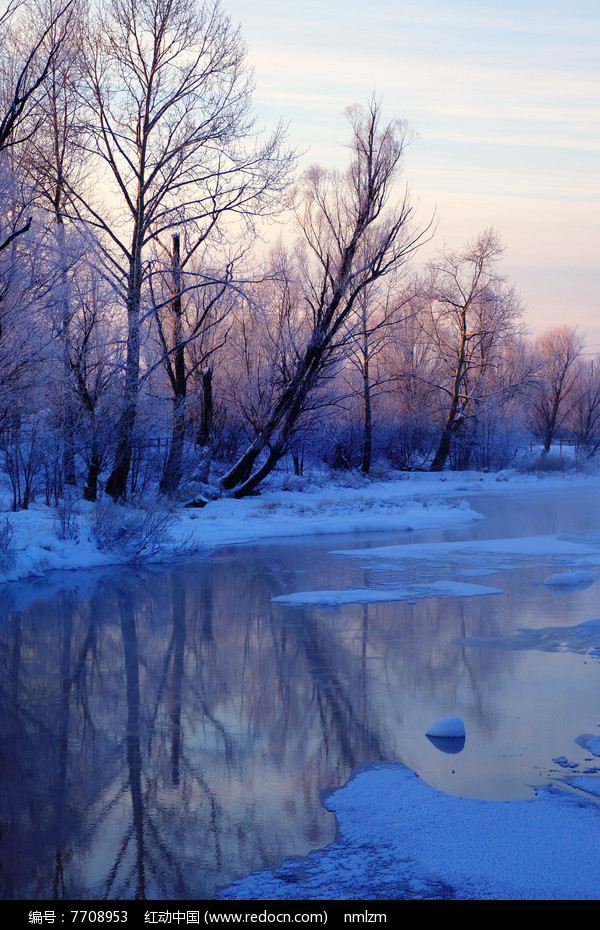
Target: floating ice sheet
{"x": 378, "y": 595}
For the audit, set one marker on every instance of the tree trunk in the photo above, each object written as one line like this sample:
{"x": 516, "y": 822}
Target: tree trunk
{"x": 68, "y": 425}
{"x": 173, "y": 471}
{"x": 207, "y": 408}
{"x": 116, "y": 486}
{"x": 454, "y": 414}
{"x": 90, "y": 492}
{"x": 367, "y": 449}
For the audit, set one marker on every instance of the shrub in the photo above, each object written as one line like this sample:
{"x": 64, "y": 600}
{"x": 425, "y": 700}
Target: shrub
{"x": 138, "y": 532}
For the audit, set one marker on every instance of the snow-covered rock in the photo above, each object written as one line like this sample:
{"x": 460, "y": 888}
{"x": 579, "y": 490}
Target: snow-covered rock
{"x": 570, "y": 578}
{"x": 447, "y": 728}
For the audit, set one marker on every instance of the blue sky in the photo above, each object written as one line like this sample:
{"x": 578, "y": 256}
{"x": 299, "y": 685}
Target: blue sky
{"x": 504, "y": 101}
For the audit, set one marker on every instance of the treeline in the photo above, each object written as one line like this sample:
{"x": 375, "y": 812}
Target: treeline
{"x": 148, "y": 343}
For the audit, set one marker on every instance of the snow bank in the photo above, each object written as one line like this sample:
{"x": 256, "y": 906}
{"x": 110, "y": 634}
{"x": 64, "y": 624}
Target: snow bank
{"x": 399, "y": 838}
{"x": 35, "y": 541}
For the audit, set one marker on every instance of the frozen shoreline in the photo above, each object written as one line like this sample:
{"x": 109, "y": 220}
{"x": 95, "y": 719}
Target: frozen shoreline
{"x": 35, "y": 542}
{"x": 401, "y": 839}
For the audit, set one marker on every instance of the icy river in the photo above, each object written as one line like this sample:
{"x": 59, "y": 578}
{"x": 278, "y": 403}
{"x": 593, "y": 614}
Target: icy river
{"x": 164, "y": 732}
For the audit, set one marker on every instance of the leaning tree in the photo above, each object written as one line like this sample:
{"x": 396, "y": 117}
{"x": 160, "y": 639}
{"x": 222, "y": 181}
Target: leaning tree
{"x": 351, "y": 239}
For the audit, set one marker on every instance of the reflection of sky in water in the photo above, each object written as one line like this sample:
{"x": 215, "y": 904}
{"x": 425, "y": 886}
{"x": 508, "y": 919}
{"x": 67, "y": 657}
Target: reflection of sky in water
{"x": 172, "y": 729}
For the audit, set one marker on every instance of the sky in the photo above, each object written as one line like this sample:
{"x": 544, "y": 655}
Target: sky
{"x": 504, "y": 103}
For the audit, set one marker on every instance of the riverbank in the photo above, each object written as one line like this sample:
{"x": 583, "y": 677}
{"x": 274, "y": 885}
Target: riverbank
{"x": 80, "y": 535}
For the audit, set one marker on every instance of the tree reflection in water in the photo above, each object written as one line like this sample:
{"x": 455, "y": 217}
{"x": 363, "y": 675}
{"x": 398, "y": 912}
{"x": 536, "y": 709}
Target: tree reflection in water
{"x": 167, "y": 731}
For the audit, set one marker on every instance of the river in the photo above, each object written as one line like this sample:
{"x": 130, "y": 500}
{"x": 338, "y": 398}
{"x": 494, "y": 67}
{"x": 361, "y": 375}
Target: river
{"x": 165, "y": 731}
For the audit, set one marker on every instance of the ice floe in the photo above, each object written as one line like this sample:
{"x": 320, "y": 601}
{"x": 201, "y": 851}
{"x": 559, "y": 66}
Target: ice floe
{"x": 380, "y": 595}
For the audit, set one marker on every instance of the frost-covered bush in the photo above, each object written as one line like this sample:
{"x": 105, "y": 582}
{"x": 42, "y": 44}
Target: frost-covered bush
{"x": 408, "y": 444}
{"x": 138, "y": 532}
{"x": 68, "y": 524}
{"x": 7, "y": 554}
{"x": 548, "y": 462}
{"x": 23, "y": 461}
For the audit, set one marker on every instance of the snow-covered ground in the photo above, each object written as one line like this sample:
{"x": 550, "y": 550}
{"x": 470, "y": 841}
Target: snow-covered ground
{"x": 398, "y": 837}
{"x": 43, "y": 539}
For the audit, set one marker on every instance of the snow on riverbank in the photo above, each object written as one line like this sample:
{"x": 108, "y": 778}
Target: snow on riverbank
{"x": 399, "y": 838}
{"x": 40, "y": 539}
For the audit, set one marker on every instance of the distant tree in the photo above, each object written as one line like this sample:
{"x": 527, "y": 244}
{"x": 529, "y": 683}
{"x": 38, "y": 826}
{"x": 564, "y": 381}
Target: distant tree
{"x": 190, "y": 304}
{"x": 411, "y": 399}
{"x": 584, "y": 417}
{"x": 380, "y": 313}
{"x": 268, "y": 332}
{"x": 558, "y": 351}
{"x": 469, "y": 312}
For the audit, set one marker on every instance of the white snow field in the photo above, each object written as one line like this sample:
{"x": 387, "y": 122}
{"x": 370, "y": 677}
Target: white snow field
{"x": 34, "y": 541}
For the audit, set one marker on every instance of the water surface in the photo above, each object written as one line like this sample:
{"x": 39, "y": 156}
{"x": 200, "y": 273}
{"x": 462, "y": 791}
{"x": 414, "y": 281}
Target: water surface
{"x": 166, "y": 731}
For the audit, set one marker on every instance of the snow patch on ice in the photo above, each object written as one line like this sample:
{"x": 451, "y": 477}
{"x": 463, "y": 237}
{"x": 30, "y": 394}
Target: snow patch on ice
{"x": 547, "y": 639}
{"x": 588, "y": 784}
{"x": 400, "y": 839}
{"x": 381, "y": 595}
{"x": 591, "y": 743}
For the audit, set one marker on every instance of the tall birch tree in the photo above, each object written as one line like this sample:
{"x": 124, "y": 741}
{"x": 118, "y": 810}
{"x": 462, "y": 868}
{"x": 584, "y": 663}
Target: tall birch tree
{"x": 171, "y": 132}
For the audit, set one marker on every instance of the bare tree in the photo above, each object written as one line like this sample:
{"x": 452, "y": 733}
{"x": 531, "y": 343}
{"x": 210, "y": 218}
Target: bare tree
{"x": 186, "y": 322}
{"x": 26, "y": 66}
{"x": 169, "y": 101}
{"x": 469, "y": 311}
{"x": 93, "y": 364}
{"x": 380, "y": 311}
{"x": 558, "y": 351}
{"x": 584, "y": 418}
{"x": 350, "y": 242}
{"x": 54, "y": 162}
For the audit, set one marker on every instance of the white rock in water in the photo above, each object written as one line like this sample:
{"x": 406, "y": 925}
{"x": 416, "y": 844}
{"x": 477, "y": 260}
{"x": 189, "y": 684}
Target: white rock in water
{"x": 570, "y": 578}
{"x": 448, "y": 727}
